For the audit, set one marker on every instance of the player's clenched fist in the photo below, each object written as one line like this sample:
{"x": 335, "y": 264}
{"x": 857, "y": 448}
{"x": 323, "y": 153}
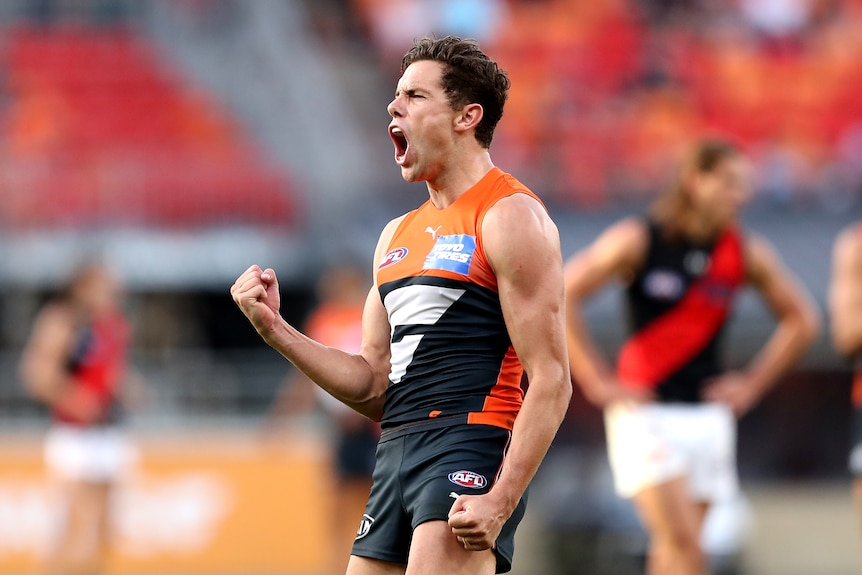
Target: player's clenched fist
{"x": 256, "y": 294}
{"x": 476, "y": 522}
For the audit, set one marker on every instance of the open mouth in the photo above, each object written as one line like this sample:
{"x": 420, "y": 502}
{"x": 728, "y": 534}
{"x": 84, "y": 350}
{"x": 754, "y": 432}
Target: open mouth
{"x": 400, "y": 142}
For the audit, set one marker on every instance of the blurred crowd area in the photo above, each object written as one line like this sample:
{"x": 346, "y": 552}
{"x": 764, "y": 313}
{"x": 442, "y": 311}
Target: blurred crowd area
{"x": 607, "y": 94}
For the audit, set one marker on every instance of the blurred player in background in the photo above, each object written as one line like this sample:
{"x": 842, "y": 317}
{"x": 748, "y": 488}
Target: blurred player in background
{"x": 75, "y": 362}
{"x": 467, "y": 300}
{"x": 845, "y": 311}
{"x": 670, "y": 407}
{"x": 337, "y": 322}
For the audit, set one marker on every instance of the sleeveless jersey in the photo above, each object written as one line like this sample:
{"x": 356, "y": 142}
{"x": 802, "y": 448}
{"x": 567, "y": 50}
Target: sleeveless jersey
{"x": 678, "y": 307}
{"x": 98, "y": 363}
{"x": 451, "y": 357}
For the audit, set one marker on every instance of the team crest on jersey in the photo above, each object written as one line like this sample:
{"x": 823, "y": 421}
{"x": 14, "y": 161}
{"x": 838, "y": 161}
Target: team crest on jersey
{"x": 394, "y": 256}
{"x": 468, "y": 479}
{"x": 364, "y": 526}
{"x": 451, "y": 253}
{"x": 663, "y": 285}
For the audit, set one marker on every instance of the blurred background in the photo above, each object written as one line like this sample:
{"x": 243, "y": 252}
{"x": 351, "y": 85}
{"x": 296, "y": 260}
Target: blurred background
{"x": 183, "y": 140}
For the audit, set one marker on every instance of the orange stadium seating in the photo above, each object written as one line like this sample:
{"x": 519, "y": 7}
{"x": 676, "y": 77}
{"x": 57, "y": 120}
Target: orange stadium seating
{"x": 97, "y": 129}
{"x": 604, "y": 100}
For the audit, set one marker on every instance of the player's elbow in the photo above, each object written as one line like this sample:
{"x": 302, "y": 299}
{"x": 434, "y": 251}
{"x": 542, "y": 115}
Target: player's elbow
{"x": 809, "y": 325}
{"x": 556, "y": 386}
{"x": 847, "y": 342}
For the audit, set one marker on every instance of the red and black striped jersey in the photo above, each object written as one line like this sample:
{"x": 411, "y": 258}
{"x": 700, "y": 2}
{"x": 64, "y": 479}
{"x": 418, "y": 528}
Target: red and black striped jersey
{"x": 678, "y": 305}
{"x": 451, "y": 356}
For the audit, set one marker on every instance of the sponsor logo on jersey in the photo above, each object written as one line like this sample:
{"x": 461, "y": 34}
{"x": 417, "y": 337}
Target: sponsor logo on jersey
{"x": 364, "y": 526}
{"x": 663, "y": 285}
{"x": 451, "y": 253}
{"x": 433, "y": 231}
{"x": 468, "y": 479}
{"x": 696, "y": 262}
{"x": 394, "y": 256}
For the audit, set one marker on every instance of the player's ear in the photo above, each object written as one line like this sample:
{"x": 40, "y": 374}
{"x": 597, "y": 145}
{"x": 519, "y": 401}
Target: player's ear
{"x": 469, "y": 117}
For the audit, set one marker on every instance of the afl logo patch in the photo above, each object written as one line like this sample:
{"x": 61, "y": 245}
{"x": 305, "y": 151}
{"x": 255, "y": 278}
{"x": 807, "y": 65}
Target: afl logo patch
{"x": 468, "y": 479}
{"x": 393, "y": 257}
{"x": 364, "y": 526}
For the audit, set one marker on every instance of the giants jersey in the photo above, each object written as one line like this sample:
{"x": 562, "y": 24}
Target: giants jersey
{"x": 451, "y": 356}
{"x": 679, "y": 304}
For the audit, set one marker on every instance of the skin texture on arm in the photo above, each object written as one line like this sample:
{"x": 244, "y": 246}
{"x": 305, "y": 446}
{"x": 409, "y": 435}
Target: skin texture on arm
{"x": 845, "y": 293}
{"x": 798, "y": 325}
{"x": 616, "y": 254}
{"x": 359, "y": 380}
{"x": 523, "y": 248}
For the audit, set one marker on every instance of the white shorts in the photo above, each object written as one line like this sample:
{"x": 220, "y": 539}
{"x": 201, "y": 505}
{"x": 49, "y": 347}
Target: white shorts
{"x": 91, "y": 454}
{"x": 654, "y": 443}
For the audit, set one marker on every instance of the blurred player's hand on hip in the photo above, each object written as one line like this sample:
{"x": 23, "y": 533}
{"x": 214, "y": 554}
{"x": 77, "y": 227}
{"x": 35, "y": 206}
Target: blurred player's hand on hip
{"x": 734, "y": 390}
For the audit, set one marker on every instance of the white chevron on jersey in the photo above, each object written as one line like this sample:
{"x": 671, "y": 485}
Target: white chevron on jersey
{"x": 414, "y": 305}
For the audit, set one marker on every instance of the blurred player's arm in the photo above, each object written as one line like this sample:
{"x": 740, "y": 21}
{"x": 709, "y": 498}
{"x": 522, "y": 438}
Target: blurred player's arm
{"x": 845, "y": 293}
{"x": 798, "y": 325}
{"x": 359, "y": 380}
{"x": 523, "y": 249}
{"x": 43, "y": 369}
{"x": 616, "y": 254}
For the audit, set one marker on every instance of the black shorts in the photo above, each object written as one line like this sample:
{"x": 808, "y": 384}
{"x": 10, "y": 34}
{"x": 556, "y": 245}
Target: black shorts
{"x": 354, "y": 453}
{"x": 416, "y": 479}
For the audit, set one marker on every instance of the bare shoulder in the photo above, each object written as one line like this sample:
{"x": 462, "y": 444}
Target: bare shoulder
{"x": 516, "y": 209}
{"x": 761, "y": 257}
{"x": 55, "y": 323}
{"x": 622, "y": 246}
{"x": 631, "y": 232}
{"x": 54, "y": 316}
{"x": 518, "y": 227}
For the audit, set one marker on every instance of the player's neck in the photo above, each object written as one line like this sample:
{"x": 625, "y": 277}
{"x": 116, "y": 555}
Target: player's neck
{"x": 459, "y": 177}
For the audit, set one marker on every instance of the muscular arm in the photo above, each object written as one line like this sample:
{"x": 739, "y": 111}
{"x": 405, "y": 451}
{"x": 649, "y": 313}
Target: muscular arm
{"x": 798, "y": 325}
{"x": 523, "y": 248}
{"x": 359, "y": 380}
{"x": 617, "y": 253}
{"x": 845, "y": 293}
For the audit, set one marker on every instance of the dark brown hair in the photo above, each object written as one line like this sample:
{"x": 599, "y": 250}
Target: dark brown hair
{"x": 674, "y": 207}
{"x": 469, "y": 76}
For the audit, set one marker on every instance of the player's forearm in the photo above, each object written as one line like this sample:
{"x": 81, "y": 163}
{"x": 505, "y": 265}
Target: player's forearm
{"x": 587, "y": 365}
{"x": 786, "y": 345}
{"x": 348, "y": 377}
{"x": 537, "y": 423}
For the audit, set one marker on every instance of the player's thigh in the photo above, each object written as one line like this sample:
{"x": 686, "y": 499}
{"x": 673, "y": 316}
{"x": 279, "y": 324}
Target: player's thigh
{"x": 669, "y": 512}
{"x": 434, "y": 550}
{"x": 365, "y": 566}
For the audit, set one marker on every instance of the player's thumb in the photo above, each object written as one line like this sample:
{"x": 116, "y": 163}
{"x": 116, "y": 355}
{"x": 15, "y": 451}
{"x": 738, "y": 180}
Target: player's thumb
{"x": 458, "y": 507}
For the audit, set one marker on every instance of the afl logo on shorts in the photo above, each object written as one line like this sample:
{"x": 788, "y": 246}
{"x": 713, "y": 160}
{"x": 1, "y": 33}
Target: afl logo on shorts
{"x": 468, "y": 479}
{"x": 364, "y": 526}
{"x": 393, "y": 257}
